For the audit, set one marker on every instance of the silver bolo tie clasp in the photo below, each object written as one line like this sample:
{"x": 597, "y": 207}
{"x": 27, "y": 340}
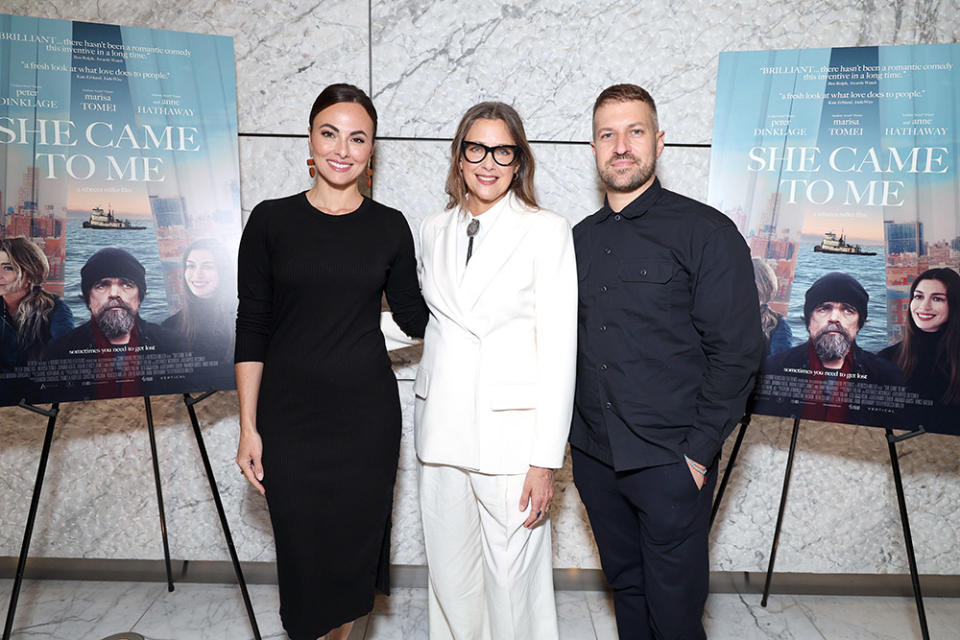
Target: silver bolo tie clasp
{"x": 472, "y": 230}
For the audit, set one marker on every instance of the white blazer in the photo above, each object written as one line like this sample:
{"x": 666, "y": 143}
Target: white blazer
{"x": 494, "y": 392}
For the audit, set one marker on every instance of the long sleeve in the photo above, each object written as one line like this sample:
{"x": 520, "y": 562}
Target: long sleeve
{"x": 725, "y": 312}
{"x": 403, "y": 288}
{"x": 254, "y": 290}
{"x": 556, "y": 335}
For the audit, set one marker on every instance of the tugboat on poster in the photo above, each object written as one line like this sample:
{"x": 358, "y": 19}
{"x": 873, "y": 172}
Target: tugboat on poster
{"x": 100, "y": 219}
{"x": 832, "y": 244}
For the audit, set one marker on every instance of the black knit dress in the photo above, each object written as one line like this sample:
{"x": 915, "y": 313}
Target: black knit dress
{"x": 328, "y": 412}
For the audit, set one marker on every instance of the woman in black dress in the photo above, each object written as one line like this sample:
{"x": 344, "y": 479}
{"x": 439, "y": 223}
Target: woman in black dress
{"x": 319, "y": 409}
{"x": 929, "y": 354}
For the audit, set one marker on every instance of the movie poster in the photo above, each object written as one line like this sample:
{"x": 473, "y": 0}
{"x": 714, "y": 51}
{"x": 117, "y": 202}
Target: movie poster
{"x": 840, "y": 167}
{"x": 119, "y": 211}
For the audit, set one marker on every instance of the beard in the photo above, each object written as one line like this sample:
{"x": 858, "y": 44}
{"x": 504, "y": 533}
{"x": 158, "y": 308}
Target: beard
{"x": 629, "y": 180}
{"x": 114, "y": 324}
{"x": 832, "y": 343}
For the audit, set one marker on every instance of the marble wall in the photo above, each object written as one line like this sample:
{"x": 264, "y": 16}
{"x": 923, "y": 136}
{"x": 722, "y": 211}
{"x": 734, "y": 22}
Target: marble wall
{"x": 424, "y": 62}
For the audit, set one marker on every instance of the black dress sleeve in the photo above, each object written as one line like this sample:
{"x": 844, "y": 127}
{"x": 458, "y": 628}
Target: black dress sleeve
{"x": 254, "y": 289}
{"x": 403, "y": 288}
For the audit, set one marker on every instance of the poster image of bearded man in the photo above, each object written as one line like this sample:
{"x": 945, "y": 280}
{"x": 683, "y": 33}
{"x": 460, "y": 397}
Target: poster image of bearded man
{"x": 113, "y": 352}
{"x": 829, "y": 377}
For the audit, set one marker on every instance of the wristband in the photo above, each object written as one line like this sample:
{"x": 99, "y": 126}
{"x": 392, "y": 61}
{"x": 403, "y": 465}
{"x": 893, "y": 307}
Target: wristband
{"x": 699, "y": 468}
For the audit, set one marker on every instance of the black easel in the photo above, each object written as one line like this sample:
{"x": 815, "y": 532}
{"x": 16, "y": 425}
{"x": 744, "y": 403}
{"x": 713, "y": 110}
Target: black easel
{"x": 156, "y": 479}
{"x": 41, "y": 471}
{"x": 731, "y": 463}
{"x": 32, "y": 515}
{"x": 35, "y": 500}
{"x": 783, "y": 506}
{"x": 190, "y": 402}
{"x": 892, "y": 441}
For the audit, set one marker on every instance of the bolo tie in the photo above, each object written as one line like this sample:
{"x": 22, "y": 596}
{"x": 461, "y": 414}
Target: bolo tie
{"x": 472, "y": 229}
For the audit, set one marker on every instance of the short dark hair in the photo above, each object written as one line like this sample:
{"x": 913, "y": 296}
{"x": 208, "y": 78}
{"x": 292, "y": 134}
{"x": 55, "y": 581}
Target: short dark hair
{"x": 342, "y": 92}
{"x": 522, "y": 187}
{"x": 626, "y": 93}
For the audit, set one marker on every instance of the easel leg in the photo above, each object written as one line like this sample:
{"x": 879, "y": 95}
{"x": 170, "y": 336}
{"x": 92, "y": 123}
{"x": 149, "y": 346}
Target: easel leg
{"x": 783, "y": 505}
{"x": 156, "y": 477}
{"x": 189, "y": 402}
{"x": 907, "y": 538}
{"x": 731, "y": 463}
{"x": 32, "y": 514}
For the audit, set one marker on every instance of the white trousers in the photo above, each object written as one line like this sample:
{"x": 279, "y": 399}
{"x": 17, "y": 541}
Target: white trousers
{"x": 490, "y": 577}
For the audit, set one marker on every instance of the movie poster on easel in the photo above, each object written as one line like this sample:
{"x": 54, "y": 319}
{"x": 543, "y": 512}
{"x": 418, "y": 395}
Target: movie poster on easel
{"x": 119, "y": 211}
{"x": 840, "y": 168}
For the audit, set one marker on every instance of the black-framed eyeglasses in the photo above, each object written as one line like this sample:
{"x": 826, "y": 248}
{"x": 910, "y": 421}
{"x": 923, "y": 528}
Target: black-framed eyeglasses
{"x": 475, "y": 152}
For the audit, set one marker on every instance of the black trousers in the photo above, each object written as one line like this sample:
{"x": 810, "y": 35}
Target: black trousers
{"x": 651, "y": 526}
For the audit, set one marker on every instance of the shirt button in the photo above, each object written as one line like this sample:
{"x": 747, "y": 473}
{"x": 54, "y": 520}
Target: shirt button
{"x": 603, "y": 367}
{"x": 608, "y": 250}
{"x": 607, "y": 405}
{"x": 603, "y": 327}
{"x": 643, "y": 272}
{"x": 603, "y": 288}
{"x": 617, "y": 217}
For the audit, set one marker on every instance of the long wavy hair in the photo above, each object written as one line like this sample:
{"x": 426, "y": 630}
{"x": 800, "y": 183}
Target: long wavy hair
{"x": 766, "y": 280}
{"x": 212, "y": 316}
{"x": 32, "y": 319}
{"x": 948, "y": 349}
{"x": 522, "y": 186}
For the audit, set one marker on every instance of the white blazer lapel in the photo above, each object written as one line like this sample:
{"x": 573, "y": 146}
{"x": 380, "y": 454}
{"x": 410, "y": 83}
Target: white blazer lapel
{"x": 497, "y": 247}
{"x": 444, "y": 264}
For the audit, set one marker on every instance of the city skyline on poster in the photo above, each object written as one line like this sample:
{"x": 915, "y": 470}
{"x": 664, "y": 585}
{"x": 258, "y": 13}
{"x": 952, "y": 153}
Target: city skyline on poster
{"x": 844, "y": 160}
{"x": 117, "y": 137}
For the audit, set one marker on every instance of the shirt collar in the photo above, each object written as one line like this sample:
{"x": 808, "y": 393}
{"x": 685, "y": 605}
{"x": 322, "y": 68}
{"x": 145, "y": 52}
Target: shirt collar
{"x": 639, "y": 206}
{"x": 488, "y": 217}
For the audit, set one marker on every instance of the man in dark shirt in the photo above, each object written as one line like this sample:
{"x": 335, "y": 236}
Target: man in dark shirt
{"x": 669, "y": 342}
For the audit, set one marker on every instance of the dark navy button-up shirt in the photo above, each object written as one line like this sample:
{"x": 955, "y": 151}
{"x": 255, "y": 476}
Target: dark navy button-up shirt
{"x": 669, "y": 331}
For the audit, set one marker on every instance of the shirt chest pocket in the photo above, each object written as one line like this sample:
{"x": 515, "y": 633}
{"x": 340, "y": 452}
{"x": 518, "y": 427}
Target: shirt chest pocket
{"x": 652, "y": 290}
{"x": 650, "y": 271}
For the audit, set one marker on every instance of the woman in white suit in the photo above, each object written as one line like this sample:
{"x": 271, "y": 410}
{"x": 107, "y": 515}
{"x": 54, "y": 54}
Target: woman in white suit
{"x": 494, "y": 393}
